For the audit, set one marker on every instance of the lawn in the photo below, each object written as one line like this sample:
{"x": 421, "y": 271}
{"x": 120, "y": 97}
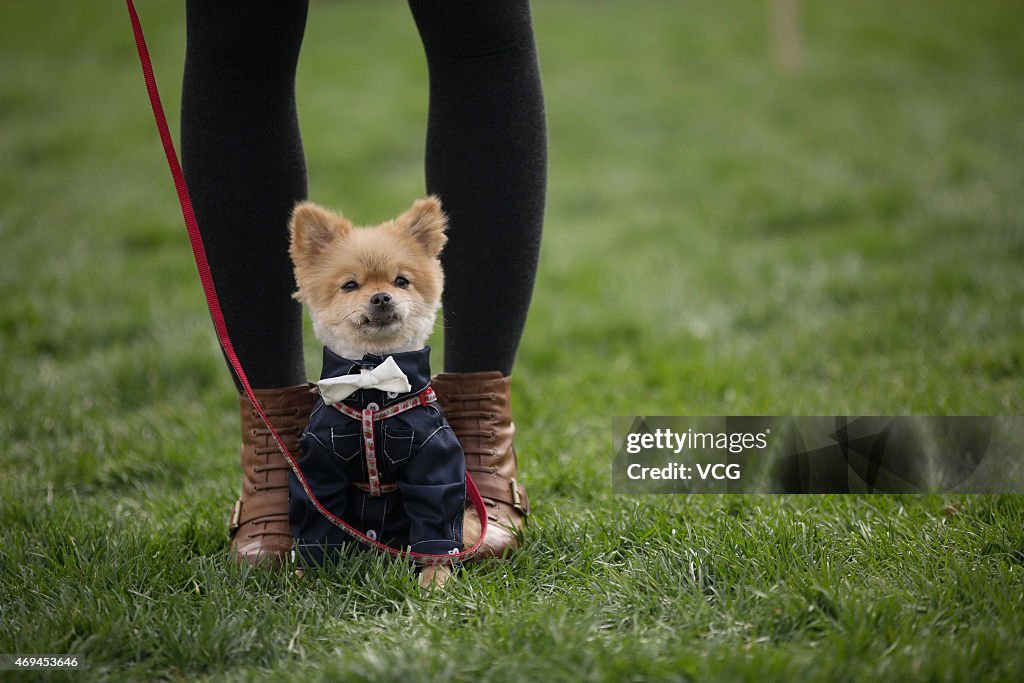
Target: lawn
{"x": 723, "y": 237}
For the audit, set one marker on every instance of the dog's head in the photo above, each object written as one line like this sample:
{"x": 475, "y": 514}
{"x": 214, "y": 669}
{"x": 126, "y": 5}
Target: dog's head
{"x": 369, "y": 289}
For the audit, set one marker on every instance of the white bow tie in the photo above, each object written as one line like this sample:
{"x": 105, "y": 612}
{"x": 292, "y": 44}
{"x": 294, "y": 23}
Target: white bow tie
{"x": 387, "y": 377}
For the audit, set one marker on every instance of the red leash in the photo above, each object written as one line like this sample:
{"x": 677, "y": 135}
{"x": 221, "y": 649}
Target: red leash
{"x": 203, "y": 266}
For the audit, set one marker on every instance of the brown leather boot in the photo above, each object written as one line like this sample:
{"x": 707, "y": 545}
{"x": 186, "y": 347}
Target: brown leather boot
{"x": 259, "y": 526}
{"x": 477, "y": 406}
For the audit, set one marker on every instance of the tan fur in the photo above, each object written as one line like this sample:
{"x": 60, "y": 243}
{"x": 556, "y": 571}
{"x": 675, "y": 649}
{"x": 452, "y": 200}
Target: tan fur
{"x": 470, "y": 528}
{"x": 435, "y": 576}
{"x": 328, "y": 251}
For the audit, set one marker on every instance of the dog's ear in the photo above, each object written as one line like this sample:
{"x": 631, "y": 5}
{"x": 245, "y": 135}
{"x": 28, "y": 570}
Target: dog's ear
{"x": 425, "y": 222}
{"x": 313, "y": 228}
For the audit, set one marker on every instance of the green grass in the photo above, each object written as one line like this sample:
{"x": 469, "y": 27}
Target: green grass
{"x": 721, "y": 238}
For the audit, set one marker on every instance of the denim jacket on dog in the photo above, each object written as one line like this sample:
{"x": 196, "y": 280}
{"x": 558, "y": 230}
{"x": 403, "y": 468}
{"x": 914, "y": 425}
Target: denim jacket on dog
{"x": 416, "y": 450}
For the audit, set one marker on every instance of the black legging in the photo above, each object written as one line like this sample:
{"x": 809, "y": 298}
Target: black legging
{"x": 486, "y": 158}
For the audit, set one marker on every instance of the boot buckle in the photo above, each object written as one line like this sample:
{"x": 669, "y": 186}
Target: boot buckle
{"x": 517, "y": 502}
{"x": 236, "y": 518}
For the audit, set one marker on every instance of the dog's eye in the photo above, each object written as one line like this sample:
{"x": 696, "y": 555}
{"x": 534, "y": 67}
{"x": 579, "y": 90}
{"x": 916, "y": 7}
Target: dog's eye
{"x": 401, "y": 282}
{"x": 350, "y": 286}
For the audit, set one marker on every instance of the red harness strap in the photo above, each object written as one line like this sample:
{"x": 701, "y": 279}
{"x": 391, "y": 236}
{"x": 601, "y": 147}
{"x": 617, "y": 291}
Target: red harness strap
{"x": 203, "y": 266}
{"x": 372, "y": 413}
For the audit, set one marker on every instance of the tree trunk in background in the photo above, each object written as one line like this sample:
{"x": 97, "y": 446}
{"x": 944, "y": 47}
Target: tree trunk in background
{"x": 786, "y": 42}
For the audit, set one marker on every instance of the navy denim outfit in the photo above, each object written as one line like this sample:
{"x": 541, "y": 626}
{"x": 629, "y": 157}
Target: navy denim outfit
{"x": 416, "y": 449}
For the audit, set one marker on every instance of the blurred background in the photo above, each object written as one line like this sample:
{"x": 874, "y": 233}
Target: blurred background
{"x": 755, "y": 208}
{"x": 799, "y": 180}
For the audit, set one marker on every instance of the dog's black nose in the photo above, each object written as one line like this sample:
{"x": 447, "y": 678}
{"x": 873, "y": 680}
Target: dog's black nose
{"x": 380, "y": 299}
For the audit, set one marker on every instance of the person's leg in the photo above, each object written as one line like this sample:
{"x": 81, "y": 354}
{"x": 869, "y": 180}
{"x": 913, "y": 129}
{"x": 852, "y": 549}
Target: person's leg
{"x": 486, "y": 158}
{"x": 245, "y": 169}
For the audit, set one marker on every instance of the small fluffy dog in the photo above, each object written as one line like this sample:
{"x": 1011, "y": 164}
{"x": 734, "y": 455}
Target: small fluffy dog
{"x": 373, "y": 294}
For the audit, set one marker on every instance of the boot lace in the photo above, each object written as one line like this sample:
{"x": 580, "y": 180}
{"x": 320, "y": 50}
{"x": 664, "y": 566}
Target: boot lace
{"x": 279, "y": 465}
{"x": 458, "y": 412}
